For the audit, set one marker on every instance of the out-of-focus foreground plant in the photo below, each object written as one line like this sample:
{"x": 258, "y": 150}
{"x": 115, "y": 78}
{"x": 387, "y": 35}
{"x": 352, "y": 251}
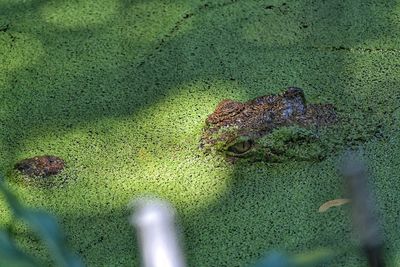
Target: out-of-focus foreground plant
{"x": 308, "y": 259}
{"x": 42, "y": 224}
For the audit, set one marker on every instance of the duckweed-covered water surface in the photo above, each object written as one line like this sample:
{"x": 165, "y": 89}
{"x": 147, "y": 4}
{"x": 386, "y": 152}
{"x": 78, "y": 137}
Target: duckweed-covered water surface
{"x": 120, "y": 90}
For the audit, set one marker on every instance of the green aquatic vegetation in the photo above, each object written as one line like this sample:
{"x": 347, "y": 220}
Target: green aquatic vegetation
{"x": 292, "y": 143}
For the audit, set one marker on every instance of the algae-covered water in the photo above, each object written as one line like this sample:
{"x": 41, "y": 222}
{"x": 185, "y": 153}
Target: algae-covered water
{"x": 120, "y": 90}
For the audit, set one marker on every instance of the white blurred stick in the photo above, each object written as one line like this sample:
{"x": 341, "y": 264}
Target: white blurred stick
{"x": 154, "y": 220}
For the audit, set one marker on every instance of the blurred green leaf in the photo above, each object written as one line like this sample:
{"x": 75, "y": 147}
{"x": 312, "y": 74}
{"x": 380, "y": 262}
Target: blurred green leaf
{"x": 275, "y": 259}
{"x": 309, "y": 259}
{"x": 45, "y": 226}
{"x": 11, "y": 255}
{"x": 314, "y": 258}
{"x": 12, "y": 201}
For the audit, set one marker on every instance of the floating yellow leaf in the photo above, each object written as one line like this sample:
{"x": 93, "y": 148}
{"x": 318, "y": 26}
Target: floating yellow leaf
{"x": 333, "y": 203}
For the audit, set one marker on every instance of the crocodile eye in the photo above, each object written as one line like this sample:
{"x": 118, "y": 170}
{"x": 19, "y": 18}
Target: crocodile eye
{"x": 241, "y": 147}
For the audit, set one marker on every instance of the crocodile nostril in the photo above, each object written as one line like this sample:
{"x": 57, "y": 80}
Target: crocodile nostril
{"x": 241, "y": 147}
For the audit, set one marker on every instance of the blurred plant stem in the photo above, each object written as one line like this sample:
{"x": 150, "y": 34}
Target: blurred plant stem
{"x": 364, "y": 213}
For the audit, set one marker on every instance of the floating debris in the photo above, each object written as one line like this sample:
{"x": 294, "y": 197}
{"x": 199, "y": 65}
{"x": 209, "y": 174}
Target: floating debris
{"x": 333, "y": 203}
{"x": 41, "y": 166}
